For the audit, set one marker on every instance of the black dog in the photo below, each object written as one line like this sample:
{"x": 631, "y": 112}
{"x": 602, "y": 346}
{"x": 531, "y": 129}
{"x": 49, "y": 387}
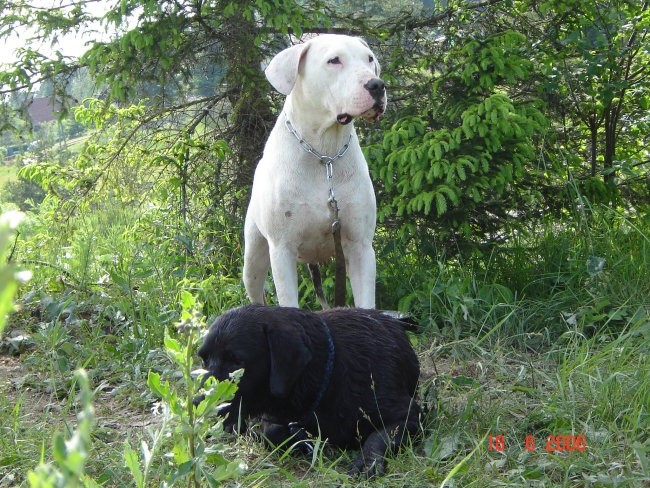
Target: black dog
{"x": 348, "y": 374}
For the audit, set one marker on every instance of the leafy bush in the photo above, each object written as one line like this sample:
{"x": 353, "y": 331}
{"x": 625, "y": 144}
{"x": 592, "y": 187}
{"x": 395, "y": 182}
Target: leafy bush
{"x": 24, "y": 193}
{"x": 452, "y": 165}
{"x": 8, "y": 284}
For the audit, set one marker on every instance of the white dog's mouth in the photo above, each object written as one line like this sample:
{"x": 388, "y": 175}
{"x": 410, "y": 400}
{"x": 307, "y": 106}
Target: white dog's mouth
{"x": 372, "y": 115}
{"x": 344, "y": 119}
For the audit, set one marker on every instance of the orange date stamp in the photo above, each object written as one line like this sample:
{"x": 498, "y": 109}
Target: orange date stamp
{"x": 554, "y": 443}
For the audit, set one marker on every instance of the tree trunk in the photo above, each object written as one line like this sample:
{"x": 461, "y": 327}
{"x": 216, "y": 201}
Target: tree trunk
{"x": 251, "y": 118}
{"x": 593, "y": 135}
{"x": 611, "y": 120}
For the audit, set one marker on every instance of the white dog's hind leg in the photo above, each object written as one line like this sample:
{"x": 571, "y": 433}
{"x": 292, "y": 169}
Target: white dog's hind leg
{"x": 285, "y": 276}
{"x": 256, "y": 263}
{"x": 360, "y": 262}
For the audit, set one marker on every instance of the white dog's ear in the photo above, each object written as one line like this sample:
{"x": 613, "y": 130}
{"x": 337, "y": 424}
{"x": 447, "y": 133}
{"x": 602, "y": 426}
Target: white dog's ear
{"x": 282, "y": 71}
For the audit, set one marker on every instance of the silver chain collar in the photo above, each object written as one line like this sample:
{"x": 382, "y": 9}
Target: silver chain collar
{"x": 327, "y": 161}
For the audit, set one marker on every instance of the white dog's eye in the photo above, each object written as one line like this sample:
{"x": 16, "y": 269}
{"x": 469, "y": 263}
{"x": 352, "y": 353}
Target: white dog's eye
{"x": 370, "y": 59}
{"x": 334, "y": 60}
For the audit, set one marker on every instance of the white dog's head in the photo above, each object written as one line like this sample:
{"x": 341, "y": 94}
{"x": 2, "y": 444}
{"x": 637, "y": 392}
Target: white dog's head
{"x": 334, "y": 73}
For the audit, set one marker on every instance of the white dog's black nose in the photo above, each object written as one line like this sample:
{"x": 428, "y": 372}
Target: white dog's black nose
{"x": 376, "y": 87}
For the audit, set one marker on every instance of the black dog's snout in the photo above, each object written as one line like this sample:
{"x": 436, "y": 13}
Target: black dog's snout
{"x": 376, "y": 87}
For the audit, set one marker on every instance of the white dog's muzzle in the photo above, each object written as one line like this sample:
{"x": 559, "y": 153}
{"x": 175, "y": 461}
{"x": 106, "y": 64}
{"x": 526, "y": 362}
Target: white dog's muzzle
{"x": 377, "y": 90}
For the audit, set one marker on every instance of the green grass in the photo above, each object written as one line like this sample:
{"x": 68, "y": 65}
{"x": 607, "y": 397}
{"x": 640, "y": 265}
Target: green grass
{"x": 594, "y": 392}
{"x": 559, "y": 350}
{"x": 8, "y": 173}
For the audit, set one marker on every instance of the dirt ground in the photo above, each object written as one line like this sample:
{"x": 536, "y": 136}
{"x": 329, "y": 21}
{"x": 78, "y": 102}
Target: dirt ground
{"x": 113, "y": 414}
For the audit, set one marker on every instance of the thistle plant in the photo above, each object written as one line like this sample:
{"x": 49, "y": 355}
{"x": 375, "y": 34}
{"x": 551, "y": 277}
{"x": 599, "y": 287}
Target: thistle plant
{"x": 194, "y": 460}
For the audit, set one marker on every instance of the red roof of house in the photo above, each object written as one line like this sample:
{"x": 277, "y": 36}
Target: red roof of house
{"x": 43, "y": 110}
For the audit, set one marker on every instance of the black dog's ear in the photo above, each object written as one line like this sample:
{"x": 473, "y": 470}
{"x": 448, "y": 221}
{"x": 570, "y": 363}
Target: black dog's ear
{"x": 289, "y": 356}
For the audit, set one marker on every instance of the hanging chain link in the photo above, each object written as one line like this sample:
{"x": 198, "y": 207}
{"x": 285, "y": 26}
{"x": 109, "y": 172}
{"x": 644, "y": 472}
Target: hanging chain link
{"x": 328, "y": 162}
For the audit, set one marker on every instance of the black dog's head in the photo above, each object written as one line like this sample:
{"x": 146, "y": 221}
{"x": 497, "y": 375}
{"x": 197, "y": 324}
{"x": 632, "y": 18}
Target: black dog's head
{"x": 272, "y": 353}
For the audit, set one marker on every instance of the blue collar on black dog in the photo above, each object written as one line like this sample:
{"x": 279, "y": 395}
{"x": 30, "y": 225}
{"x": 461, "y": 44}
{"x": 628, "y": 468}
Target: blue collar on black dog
{"x": 329, "y": 367}
{"x": 327, "y": 376}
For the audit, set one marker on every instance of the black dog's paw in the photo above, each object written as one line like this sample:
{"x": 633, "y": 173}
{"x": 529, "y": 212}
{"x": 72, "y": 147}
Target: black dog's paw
{"x": 370, "y": 461}
{"x": 275, "y": 435}
{"x": 367, "y": 467}
{"x": 288, "y": 436}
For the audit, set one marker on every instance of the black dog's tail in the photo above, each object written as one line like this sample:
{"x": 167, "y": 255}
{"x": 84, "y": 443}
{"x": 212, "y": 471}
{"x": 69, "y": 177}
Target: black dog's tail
{"x": 407, "y": 320}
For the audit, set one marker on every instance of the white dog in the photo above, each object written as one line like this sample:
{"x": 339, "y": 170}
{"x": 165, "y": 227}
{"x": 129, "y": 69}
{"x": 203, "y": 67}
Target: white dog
{"x": 328, "y": 81}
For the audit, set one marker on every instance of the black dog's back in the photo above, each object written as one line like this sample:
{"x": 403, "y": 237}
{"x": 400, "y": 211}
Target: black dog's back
{"x": 366, "y": 334}
{"x": 375, "y": 376}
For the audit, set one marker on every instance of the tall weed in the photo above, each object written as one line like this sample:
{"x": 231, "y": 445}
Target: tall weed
{"x": 195, "y": 461}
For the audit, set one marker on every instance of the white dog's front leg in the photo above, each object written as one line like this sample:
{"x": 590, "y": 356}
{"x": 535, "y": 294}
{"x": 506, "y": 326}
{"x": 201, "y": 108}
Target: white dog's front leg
{"x": 256, "y": 262}
{"x": 285, "y": 276}
{"x": 360, "y": 262}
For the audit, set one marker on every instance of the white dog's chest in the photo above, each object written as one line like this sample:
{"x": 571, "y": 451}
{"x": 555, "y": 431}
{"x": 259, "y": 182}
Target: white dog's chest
{"x": 302, "y": 220}
{"x": 309, "y": 231}
{"x": 315, "y": 247}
